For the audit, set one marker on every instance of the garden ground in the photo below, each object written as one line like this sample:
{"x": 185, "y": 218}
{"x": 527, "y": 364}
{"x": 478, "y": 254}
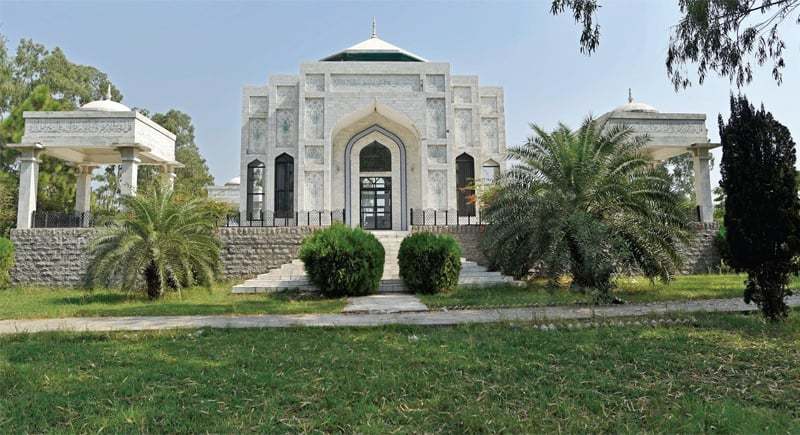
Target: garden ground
{"x": 22, "y": 303}
{"x": 724, "y": 372}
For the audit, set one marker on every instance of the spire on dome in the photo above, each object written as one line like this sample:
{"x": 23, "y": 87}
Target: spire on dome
{"x": 630, "y": 96}
{"x": 374, "y": 29}
{"x": 108, "y": 92}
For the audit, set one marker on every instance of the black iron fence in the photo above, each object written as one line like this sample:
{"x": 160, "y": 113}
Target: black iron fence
{"x": 432, "y": 217}
{"x": 58, "y": 219}
{"x": 312, "y": 218}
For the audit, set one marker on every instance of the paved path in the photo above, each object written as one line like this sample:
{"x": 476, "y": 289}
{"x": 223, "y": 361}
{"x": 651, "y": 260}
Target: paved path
{"x": 537, "y": 314}
{"x": 384, "y": 303}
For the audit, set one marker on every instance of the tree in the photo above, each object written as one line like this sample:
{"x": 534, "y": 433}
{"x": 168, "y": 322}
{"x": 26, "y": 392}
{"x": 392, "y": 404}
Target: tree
{"x": 589, "y": 203}
{"x": 158, "y": 243}
{"x": 681, "y": 168}
{"x": 721, "y": 36}
{"x": 762, "y": 210}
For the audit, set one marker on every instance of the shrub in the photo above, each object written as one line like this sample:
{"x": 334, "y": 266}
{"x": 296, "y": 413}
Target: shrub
{"x": 6, "y": 260}
{"x": 343, "y": 261}
{"x": 429, "y": 263}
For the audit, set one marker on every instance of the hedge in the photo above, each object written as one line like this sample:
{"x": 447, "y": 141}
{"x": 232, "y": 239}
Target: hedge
{"x": 343, "y": 261}
{"x": 429, "y": 263}
{"x": 6, "y": 261}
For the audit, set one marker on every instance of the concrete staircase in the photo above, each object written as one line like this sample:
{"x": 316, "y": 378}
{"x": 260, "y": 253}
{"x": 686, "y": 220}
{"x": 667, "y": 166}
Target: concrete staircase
{"x": 292, "y": 275}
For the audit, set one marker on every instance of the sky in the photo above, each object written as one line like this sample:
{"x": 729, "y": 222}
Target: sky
{"x": 197, "y": 56}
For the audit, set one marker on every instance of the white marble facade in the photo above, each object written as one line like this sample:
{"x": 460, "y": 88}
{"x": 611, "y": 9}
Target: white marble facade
{"x": 325, "y": 116}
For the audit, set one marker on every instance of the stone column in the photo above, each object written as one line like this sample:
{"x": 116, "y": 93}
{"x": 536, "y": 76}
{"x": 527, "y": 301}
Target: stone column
{"x": 168, "y": 176}
{"x": 28, "y": 184}
{"x": 702, "y": 183}
{"x": 83, "y": 193}
{"x": 128, "y": 175}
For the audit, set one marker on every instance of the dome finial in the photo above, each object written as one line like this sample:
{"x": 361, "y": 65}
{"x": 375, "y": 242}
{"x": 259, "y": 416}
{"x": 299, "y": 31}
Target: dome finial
{"x": 108, "y": 92}
{"x": 630, "y": 96}
{"x": 374, "y": 29}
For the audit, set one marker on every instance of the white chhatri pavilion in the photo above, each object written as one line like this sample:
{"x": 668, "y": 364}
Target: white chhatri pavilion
{"x": 101, "y": 132}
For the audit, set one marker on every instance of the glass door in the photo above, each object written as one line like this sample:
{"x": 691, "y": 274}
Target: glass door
{"x": 376, "y": 203}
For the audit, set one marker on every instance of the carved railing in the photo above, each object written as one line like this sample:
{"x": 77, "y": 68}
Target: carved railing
{"x": 432, "y": 217}
{"x": 308, "y": 218}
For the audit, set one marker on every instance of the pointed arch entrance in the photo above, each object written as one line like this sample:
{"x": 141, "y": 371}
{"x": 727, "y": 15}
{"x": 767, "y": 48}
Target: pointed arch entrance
{"x": 382, "y": 196}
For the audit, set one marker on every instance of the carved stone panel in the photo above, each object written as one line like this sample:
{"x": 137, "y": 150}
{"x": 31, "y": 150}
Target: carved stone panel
{"x": 489, "y": 104}
{"x": 286, "y": 127}
{"x": 436, "y": 119}
{"x": 375, "y": 82}
{"x": 71, "y": 126}
{"x": 314, "y": 119}
{"x": 435, "y": 83}
{"x": 287, "y": 96}
{"x": 258, "y": 105}
{"x": 257, "y": 140}
{"x": 489, "y": 134}
{"x": 314, "y": 190}
{"x": 315, "y": 155}
{"x": 437, "y": 189}
{"x": 437, "y": 154}
{"x": 462, "y": 94}
{"x": 463, "y": 121}
{"x": 315, "y": 82}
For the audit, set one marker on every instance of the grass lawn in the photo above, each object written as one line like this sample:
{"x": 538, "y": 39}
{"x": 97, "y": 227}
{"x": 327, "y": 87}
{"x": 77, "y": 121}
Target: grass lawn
{"x": 636, "y": 289}
{"x": 727, "y": 373}
{"x": 18, "y": 303}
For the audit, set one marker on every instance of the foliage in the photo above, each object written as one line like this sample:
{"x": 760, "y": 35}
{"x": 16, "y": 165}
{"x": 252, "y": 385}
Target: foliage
{"x": 157, "y": 243}
{"x": 720, "y": 36}
{"x": 681, "y": 169}
{"x": 429, "y": 263}
{"x": 343, "y": 261}
{"x": 6, "y": 260}
{"x": 762, "y": 210}
{"x": 8, "y": 202}
{"x": 589, "y": 203}
{"x": 721, "y": 245}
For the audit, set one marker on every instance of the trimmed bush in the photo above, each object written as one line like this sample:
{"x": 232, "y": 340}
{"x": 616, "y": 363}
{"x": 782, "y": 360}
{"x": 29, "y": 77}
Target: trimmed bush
{"x": 6, "y": 260}
{"x": 343, "y": 261}
{"x": 429, "y": 263}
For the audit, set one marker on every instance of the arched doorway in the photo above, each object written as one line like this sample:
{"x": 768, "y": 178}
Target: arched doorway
{"x": 375, "y": 187}
{"x": 465, "y": 179}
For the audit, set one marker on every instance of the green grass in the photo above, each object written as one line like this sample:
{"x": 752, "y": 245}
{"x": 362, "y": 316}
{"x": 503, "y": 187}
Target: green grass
{"x": 635, "y": 289}
{"x": 727, "y": 373}
{"x": 19, "y": 303}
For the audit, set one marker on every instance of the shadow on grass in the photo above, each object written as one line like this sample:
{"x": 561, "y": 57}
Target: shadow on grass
{"x": 100, "y": 298}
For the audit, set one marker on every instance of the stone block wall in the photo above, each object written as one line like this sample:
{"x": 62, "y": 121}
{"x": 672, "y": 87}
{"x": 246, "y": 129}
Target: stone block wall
{"x": 50, "y": 256}
{"x": 468, "y": 237}
{"x": 249, "y": 251}
{"x": 58, "y": 256}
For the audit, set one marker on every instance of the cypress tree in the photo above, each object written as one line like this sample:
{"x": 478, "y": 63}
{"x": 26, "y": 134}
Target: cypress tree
{"x": 762, "y": 211}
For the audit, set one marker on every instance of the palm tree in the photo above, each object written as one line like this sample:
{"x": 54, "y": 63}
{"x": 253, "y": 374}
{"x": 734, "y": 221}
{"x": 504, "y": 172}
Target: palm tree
{"x": 156, "y": 243}
{"x": 589, "y": 203}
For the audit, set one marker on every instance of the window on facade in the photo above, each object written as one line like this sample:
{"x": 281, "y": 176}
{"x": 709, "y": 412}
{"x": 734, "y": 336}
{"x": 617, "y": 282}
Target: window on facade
{"x": 375, "y": 158}
{"x": 255, "y": 190}
{"x": 284, "y": 186}
{"x": 491, "y": 170}
{"x": 465, "y": 179}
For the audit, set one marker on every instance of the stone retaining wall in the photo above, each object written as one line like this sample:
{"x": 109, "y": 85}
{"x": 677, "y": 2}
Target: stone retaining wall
{"x": 468, "y": 237}
{"x": 58, "y": 257}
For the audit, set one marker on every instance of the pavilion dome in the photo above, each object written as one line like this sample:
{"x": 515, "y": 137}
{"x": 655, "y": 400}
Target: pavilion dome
{"x": 105, "y": 105}
{"x": 235, "y": 181}
{"x": 635, "y": 106}
{"x": 376, "y": 50}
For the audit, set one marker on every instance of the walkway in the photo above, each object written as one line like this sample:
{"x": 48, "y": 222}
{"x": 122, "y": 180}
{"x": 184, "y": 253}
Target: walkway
{"x": 537, "y": 314}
